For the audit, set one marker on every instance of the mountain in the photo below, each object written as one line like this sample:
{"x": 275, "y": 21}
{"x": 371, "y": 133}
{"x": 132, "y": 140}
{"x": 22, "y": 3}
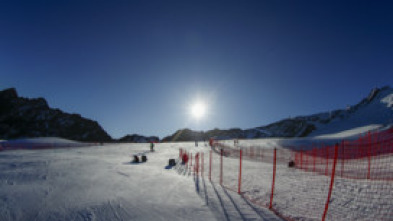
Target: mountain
{"x": 22, "y": 118}
{"x": 190, "y": 135}
{"x": 375, "y": 109}
{"x": 185, "y": 135}
{"x": 136, "y": 138}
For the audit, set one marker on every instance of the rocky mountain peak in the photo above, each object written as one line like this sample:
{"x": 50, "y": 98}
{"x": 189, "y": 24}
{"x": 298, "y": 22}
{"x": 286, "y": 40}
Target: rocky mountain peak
{"x": 26, "y": 118}
{"x": 8, "y": 94}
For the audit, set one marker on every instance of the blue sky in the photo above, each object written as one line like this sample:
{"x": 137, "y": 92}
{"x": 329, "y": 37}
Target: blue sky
{"x": 136, "y": 66}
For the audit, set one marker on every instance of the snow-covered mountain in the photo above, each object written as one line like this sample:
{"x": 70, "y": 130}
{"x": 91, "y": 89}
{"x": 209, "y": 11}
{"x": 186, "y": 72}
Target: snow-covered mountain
{"x": 374, "y": 111}
{"x": 22, "y": 117}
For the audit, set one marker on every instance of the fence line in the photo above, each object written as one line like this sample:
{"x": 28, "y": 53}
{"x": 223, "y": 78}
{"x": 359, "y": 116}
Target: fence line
{"x": 351, "y": 180}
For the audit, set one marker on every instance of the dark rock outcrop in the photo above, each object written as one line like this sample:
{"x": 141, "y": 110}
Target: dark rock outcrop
{"x": 135, "y": 138}
{"x": 23, "y": 118}
{"x": 190, "y": 135}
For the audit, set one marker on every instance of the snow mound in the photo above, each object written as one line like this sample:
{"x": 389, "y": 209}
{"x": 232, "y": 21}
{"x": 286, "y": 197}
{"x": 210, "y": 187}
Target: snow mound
{"x": 40, "y": 143}
{"x": 41, "y": 140}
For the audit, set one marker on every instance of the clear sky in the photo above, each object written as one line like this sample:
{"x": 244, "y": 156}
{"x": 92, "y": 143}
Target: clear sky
{"x": 137, "y": 66}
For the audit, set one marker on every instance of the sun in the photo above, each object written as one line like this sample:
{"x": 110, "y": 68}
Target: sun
{"x": 198, "y": 110}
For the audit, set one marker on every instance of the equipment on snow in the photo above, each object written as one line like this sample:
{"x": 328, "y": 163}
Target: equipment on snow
{"x": 172, "y": 162}
{"x": 136, "y": 159}
{"x": 139, "y": 159}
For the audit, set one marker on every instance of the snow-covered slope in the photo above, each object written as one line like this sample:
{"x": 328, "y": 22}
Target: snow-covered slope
{"x": 375, "y": 110}
{"x": 40, "y": 143}
{"x": 42, "y": 140}
{"x": 100, "y": 183}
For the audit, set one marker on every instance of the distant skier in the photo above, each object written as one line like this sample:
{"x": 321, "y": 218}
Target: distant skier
{"x": 196, "y": 143}
{"x": 151, "y": 147}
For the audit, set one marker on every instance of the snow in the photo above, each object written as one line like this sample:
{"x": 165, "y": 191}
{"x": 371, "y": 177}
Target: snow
{"x": 301, "y": 195}
{"x": 388, "y": 100}
{"x": 41, "y": 140}
{"x": 40, "y": 143}
{"x": 100, "y": 183}
{"x": 376, "y": 111}
{"x": 352, "y": 132}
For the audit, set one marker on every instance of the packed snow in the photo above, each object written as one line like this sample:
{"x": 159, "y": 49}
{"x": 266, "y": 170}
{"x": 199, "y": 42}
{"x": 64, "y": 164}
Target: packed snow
{"x": 101, "y": 183}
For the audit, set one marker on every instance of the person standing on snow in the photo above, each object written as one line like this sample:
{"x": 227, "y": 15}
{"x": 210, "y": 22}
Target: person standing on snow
{"x": 151, "y": 147}
{"x": 184, "y": 158}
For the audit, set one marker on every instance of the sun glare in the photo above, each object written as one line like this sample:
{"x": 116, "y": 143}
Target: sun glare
{"x": 198, "y": 110}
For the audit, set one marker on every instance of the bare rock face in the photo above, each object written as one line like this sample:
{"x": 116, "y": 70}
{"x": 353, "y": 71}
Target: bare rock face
{"x": 136, "y": 138}
{"x": 22, "y": 117}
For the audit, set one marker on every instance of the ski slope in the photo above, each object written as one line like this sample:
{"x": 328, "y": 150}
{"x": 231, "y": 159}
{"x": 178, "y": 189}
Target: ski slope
{"x": 100, "y": 183}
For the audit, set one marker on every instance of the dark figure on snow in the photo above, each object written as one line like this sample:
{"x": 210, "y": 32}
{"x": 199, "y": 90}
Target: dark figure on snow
{"x": 151, "y": 147}
{"x": 136, "y": 159}
{"x": 184, "y": 158}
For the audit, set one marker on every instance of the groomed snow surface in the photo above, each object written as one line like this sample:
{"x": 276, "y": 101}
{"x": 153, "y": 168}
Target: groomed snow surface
{"x": 100, "y": 183}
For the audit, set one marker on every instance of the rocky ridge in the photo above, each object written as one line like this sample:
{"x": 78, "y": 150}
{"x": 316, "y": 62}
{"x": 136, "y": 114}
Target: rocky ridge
{"x": 26, "y": 118}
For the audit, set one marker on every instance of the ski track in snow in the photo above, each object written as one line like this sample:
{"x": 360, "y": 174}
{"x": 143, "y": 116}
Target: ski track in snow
{"x": 100, "y": 183}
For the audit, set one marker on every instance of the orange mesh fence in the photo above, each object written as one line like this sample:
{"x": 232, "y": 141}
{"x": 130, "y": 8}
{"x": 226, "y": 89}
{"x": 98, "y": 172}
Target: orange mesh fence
{"x": 352, "y": 180}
